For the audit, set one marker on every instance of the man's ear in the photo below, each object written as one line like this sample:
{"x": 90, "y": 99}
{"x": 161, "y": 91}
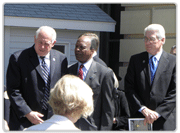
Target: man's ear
{"x": 53, "y": 43}
{"x": 92, "y": 50}
{"x": 163, "y": 40}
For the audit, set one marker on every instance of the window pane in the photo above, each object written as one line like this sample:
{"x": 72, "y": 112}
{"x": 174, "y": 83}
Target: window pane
{"x": 60, "y": 48}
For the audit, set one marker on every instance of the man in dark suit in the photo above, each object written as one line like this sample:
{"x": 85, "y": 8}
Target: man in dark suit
{"x": 26, "y": 85}
{"x": 100, "y": 79}
{"x": 152, "y": 96}
{"x": 121, "y": 107}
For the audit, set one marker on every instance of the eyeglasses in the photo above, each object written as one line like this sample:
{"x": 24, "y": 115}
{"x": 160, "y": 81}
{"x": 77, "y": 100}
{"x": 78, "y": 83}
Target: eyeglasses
{"x": 151, "y": 39}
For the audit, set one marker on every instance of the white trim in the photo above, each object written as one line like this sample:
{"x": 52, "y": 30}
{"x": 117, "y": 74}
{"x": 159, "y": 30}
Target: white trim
{"x": 60, "y": 24}
{"x": 66, "y": 49}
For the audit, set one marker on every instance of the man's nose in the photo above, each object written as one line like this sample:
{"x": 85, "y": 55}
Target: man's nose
{"x": 42, "y": 46}
{"x": 77, "y": 49}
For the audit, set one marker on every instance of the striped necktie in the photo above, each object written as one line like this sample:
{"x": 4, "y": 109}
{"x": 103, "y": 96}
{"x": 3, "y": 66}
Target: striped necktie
{"x": 46, "y": 76}
{"x": 80, "y": 74}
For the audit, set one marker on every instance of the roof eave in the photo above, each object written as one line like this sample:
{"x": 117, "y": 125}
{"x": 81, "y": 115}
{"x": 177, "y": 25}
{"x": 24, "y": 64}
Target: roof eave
{"x": 60, "y": 23}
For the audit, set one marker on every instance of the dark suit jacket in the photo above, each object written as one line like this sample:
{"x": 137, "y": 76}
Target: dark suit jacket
{"x": 122, "y": 110}
{"x": 25, "y": 84}
{"x": 6, "y": 106}
{"x": 101, "y": 80}
{"x": 160, "y": 96}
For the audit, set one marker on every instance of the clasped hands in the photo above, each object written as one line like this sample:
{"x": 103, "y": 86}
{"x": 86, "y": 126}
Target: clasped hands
{"x": 150, "y": 116}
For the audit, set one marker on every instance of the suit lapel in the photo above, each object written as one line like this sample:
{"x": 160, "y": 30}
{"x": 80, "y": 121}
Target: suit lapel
{"x": 73, "y": 69}
{"x": 52, "y": 64}
{"x": 162, "y": 66}
{"x": 91, "y": 73}
{"x": 145, "y": 65}
{"x": 35, "y": 61}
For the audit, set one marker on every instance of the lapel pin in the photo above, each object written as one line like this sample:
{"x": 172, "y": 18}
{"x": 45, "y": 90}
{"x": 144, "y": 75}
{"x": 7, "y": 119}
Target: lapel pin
{"x": 143, "y": 61}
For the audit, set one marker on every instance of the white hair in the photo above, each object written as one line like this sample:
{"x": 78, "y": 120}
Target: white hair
{"x": 71, "y": 96}
{"x": 48, "y": 30}
{"x": 159, "y": 29}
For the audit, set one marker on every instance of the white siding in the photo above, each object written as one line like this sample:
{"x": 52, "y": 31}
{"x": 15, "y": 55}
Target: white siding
{"x": 20, "y": 38}
{"x": 6, "y": 49}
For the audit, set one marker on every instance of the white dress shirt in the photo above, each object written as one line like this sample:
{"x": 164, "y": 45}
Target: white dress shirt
{"x": 46, "y": 59}
{"x": 94, "y": 54}
{"x": 56, "y": 122}
{"x": 85, "y": 68}
{"x": 158, "y": 56}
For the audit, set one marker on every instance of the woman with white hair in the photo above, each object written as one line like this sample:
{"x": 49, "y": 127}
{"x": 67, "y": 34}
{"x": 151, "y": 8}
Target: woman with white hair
{"x": 70, "y": 99}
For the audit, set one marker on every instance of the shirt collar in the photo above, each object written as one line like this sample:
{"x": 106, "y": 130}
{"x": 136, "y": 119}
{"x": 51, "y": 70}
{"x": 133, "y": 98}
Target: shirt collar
{"x": 94, "y": 54}
{"x": 59, "y": 119}
{"x": 46, "y": 57}
{"x": 86, "y": 64}
{"x": 158, "y": 55}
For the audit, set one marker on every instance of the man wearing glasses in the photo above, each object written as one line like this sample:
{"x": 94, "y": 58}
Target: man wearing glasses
{"x": 150, "y": 82}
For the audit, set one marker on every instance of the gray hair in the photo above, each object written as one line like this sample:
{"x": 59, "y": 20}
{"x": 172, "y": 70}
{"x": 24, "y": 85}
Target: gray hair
{"x": 159, "y": 29}
{"x": 173, "y": 47}
{"x": 48, "y": 30}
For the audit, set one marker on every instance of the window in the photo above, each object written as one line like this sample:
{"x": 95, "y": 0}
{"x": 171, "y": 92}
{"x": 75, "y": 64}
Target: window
{"x": 60, "y": 48}
{"x": 64, "y": 48}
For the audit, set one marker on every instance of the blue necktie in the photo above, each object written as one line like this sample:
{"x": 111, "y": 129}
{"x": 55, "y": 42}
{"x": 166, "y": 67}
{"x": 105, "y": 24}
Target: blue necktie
{"x": 46, "y": 76}
{"x": 153, "y": 67}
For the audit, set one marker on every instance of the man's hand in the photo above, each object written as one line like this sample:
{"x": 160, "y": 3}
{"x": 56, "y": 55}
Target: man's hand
{"x": 150, "y": 116}
{"x": 34, "y": 117}
{"x": 114, "y": 121}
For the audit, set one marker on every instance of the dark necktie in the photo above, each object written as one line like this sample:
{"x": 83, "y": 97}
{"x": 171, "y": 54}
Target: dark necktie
{"x": 80, "y": 74}
{"x": 153, "y": 67}
{"x": 46, "y": 76}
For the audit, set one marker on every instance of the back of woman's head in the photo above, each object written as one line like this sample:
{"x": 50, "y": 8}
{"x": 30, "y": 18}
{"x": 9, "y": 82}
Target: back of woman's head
{"x": 71, "y": 96}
